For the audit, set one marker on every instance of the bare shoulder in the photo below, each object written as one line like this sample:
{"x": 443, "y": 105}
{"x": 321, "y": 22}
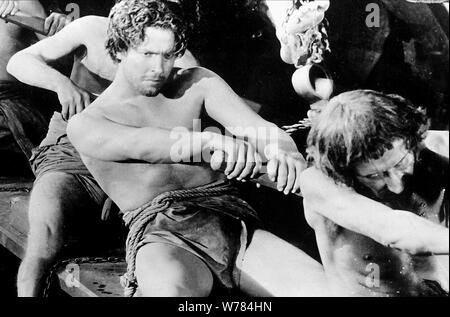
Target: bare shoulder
{"x": 195, "y": 74}
{"x": 319, "y": 188}
{"x": 192, "y": 79}
{"x": 99, "y": 108}
{"x": 90, "y": 24}
{"x": 311, "y": 192}
{"x": 91, "y": 20}
{"x": 311, "y": 180}
{"x": 204, "y": 80}
{"x": 86, "y": 28}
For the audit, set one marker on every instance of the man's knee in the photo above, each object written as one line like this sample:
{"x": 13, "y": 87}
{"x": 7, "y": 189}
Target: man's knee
{"x": 167, "y": 271}
{"x": 54, "y": 188}
{"x": 47, "y": 211}
{"x": 54, "y": 196}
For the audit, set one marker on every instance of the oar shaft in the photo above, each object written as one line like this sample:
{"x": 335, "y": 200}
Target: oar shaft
{"x": 35, "y": 24}
{"x": 263, "y": 180}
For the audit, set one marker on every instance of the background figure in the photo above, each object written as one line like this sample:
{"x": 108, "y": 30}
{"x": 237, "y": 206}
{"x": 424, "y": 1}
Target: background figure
{"x": 85, "y": 7}
{"x": 63, "y": 187}
{"x": 403, "y": 50}
{"x": 381, "y": 214}
{"x": 24, "y": 112}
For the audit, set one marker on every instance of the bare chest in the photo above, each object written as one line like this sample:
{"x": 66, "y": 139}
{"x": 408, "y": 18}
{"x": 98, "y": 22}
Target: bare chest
{"x": 379, "y": 269}
{"x": 172, "y": 114}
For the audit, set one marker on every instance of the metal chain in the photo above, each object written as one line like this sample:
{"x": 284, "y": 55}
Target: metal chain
{"x": 53, "y": 272}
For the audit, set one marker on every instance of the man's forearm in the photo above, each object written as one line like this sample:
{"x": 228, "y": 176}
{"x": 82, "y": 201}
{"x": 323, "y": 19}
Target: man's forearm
{"x": 171, "y": 147}
{"x": 441, "y": 245}
{"x": 272, "y": 139}
{"x": 408, "y": 232}
{"x": 398, "y": 229}
{"x": 105, "y": 140}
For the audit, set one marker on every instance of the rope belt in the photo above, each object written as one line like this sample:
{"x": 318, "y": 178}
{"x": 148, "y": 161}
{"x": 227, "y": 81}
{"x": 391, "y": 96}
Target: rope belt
{"x": 138, "y": 220}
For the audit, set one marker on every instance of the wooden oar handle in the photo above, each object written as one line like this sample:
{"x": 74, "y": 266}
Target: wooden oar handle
{"x": 35, "y": 24}
{"x": 263, "y": 180}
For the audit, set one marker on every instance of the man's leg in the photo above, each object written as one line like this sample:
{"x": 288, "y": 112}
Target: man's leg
{"x": 167, "y": 271}
{"x": 54, "y": 197}
{"x": 273, "y": 267}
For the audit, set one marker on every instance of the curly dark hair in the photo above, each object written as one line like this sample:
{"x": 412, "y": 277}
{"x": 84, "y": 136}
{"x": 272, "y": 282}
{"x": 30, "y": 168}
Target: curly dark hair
{"x": 359, "y": 126}
{"x": 130, "y": 18}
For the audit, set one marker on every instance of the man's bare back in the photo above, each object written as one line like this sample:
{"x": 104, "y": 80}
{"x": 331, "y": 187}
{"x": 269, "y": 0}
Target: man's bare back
{"x": 133, "y": 184}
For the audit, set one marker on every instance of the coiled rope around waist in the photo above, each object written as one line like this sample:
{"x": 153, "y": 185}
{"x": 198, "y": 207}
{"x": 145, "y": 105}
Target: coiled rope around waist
{"x": 137, "y": 221}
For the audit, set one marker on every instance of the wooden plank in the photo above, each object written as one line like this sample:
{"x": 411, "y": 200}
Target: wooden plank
{"x": 35, "y": 24}
{"x": 14, "y": 221}
{"x": 95, "y": 280}
{"x": 15, "y": 184}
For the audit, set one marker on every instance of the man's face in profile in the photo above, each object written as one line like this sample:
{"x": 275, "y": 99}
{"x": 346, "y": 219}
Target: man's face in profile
{"x": 148, "y": 66}
{"x": 386, "y": 176}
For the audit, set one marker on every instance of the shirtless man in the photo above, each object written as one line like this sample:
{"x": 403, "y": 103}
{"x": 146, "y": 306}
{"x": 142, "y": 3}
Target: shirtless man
{"x": 63, "y": 185}
{"x": 22, "y": 126}
{"x": 196, "y": 231}
{"x": 383, "y": 229}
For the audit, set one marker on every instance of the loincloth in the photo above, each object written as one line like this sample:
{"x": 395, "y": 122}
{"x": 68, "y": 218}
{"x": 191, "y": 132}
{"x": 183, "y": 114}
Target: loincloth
{"x": 57, "y": 130}
{"x": 211, "y": 222}
{"x": 20, "y": 121}
{"x": 64, "y": 158}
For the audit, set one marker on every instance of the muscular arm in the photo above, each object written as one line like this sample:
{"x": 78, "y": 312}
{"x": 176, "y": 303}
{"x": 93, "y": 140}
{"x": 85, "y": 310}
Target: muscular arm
{"x": 32, "y": 7}
{"x": 91, "y": 131}
{"x": 227, "y": 108}
{"x": 32, "y": 65}
{"x": 31, "y": 14}
{"x": 96, "y": 136}
{"x": 27, "y": 14}
{"x": 285, "y": 163}
{"x": 393, "y": 228}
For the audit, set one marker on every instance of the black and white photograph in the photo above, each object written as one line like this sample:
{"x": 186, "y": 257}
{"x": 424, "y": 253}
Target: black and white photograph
{"x": 236, "y": 151}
